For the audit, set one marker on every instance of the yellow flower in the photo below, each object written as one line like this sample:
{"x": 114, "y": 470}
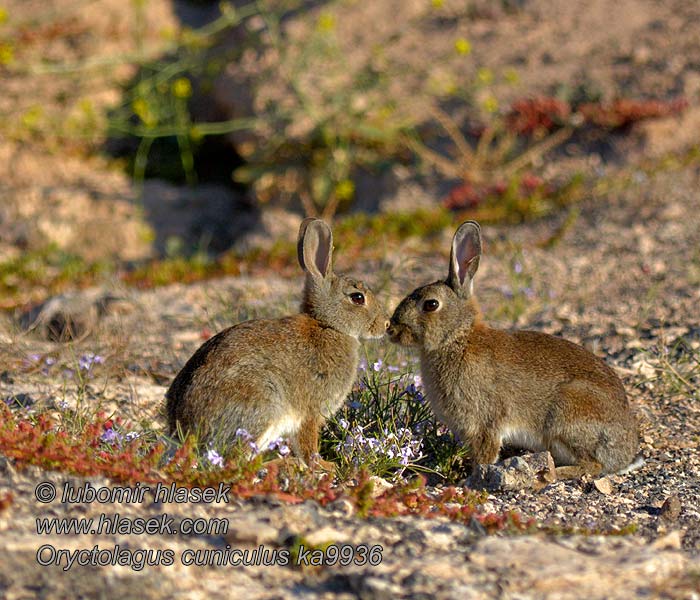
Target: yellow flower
{"x": 490, "y": 105}
{"x": 326, "y": 22}
{"x": 196, "y": 133}
{"x": 86, "y": 106}
{"x": 511, "y": 76}
{"x": 182, "y": 88}
{"x": 3, "y": 15}
{"x": 31, "y": 118}
{"x": 438, "y": 3}
{"x": 345, "y": 189}
{"x": 6, "y": 54}
{"x": 484, "y": 75}
{"x": 143, "y": 112}
{"x": 463, "y": 46}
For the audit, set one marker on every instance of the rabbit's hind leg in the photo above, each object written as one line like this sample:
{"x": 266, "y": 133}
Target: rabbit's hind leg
{"x": 305, "y": 443}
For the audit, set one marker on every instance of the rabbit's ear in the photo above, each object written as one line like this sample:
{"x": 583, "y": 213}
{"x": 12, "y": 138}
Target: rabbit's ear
{"x": 315, "y": 247}
{"x": 464, "y": 257}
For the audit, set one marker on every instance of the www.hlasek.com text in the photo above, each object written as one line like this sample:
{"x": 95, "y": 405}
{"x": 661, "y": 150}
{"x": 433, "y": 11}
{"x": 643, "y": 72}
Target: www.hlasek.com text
{"x": 137, "y": 559}
{"x": 117, "y": 524}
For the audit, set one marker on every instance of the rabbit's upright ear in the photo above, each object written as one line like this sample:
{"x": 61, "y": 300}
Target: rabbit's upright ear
{"x": 315, "y": 248}
{"x": 464, "y": 257}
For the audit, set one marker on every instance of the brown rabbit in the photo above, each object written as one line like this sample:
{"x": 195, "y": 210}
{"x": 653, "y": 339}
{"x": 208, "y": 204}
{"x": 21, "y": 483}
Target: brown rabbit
{"x": 281, "y": 377}
{"x": 524, "y": 388}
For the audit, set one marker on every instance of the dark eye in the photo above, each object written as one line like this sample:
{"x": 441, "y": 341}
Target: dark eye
{"x": 430, "y": 305}
{"x": 357, "y": 298}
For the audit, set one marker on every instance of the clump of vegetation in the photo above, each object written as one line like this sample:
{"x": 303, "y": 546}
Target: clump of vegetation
{"x": 388, "y": 427}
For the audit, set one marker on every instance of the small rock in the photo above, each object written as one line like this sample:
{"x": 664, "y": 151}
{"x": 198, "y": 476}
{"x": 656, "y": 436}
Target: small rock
{"x": 342, "y": 506}
{"x": 671, "y": 508}
{"x": 326, "y": 535}
{"x": 603, "y": 485}
{"x": 380, "y": 486}
{"x": 515, "y": 473}
{"x": 250, "y": 530}
{"x": 375, "y": 587}
{"x": 671, "y": 541}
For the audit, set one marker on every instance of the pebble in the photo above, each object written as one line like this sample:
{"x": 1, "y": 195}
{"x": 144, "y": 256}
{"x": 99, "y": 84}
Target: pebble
{"x": 671, "y": 508}
{"x": 603, "y": 485}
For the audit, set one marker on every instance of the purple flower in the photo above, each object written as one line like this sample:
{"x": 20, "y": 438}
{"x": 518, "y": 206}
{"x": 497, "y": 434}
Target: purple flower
{"x": 214, "y": 458}
{"x": 110, "y": 436}
{"x": 363, "y": 365}
{"x": 528, "y": 291}
{"x": 87, "y": 360}
{"x": 506, "y": 291}
{"x": 372, "y": 443}
{"x": 406, "y": 456}
{"x": 243, "y": 434}
{"x": 518, "y": 267}
{"x": 280, "y": 445}
{"x": 132, "y": 435}
{"x": 392, "y": 369}
{"x": 377, "y": 366}
{"x": 343, "y": 423}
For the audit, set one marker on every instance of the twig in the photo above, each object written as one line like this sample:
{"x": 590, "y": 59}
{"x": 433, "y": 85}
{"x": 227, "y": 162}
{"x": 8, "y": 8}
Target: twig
{"x": 539, "y": 149}
{"x": 443, "y": 164}
{"x": 454, "y": 132}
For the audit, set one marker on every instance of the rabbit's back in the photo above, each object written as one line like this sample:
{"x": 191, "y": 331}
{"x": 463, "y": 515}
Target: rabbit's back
{"x": 526, "y": 367}
{"x": 257, "y": 371}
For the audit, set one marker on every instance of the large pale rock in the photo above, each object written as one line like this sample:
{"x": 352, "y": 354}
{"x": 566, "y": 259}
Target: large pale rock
{"x": 539, "y": 568}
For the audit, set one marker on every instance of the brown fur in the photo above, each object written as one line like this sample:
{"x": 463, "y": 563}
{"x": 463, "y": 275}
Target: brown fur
{"x": 525, "y": 388}
{"x": 280, "y": 377}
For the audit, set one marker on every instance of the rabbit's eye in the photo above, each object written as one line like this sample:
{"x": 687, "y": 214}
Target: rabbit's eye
{"x": 430, "y": 305}
{"x": 357, "y": 298}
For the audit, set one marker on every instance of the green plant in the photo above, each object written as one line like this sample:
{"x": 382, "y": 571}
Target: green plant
{"x": 332, "y": 120}
{"x": 155, "y": 106}
{"x": 387, "y": 427}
